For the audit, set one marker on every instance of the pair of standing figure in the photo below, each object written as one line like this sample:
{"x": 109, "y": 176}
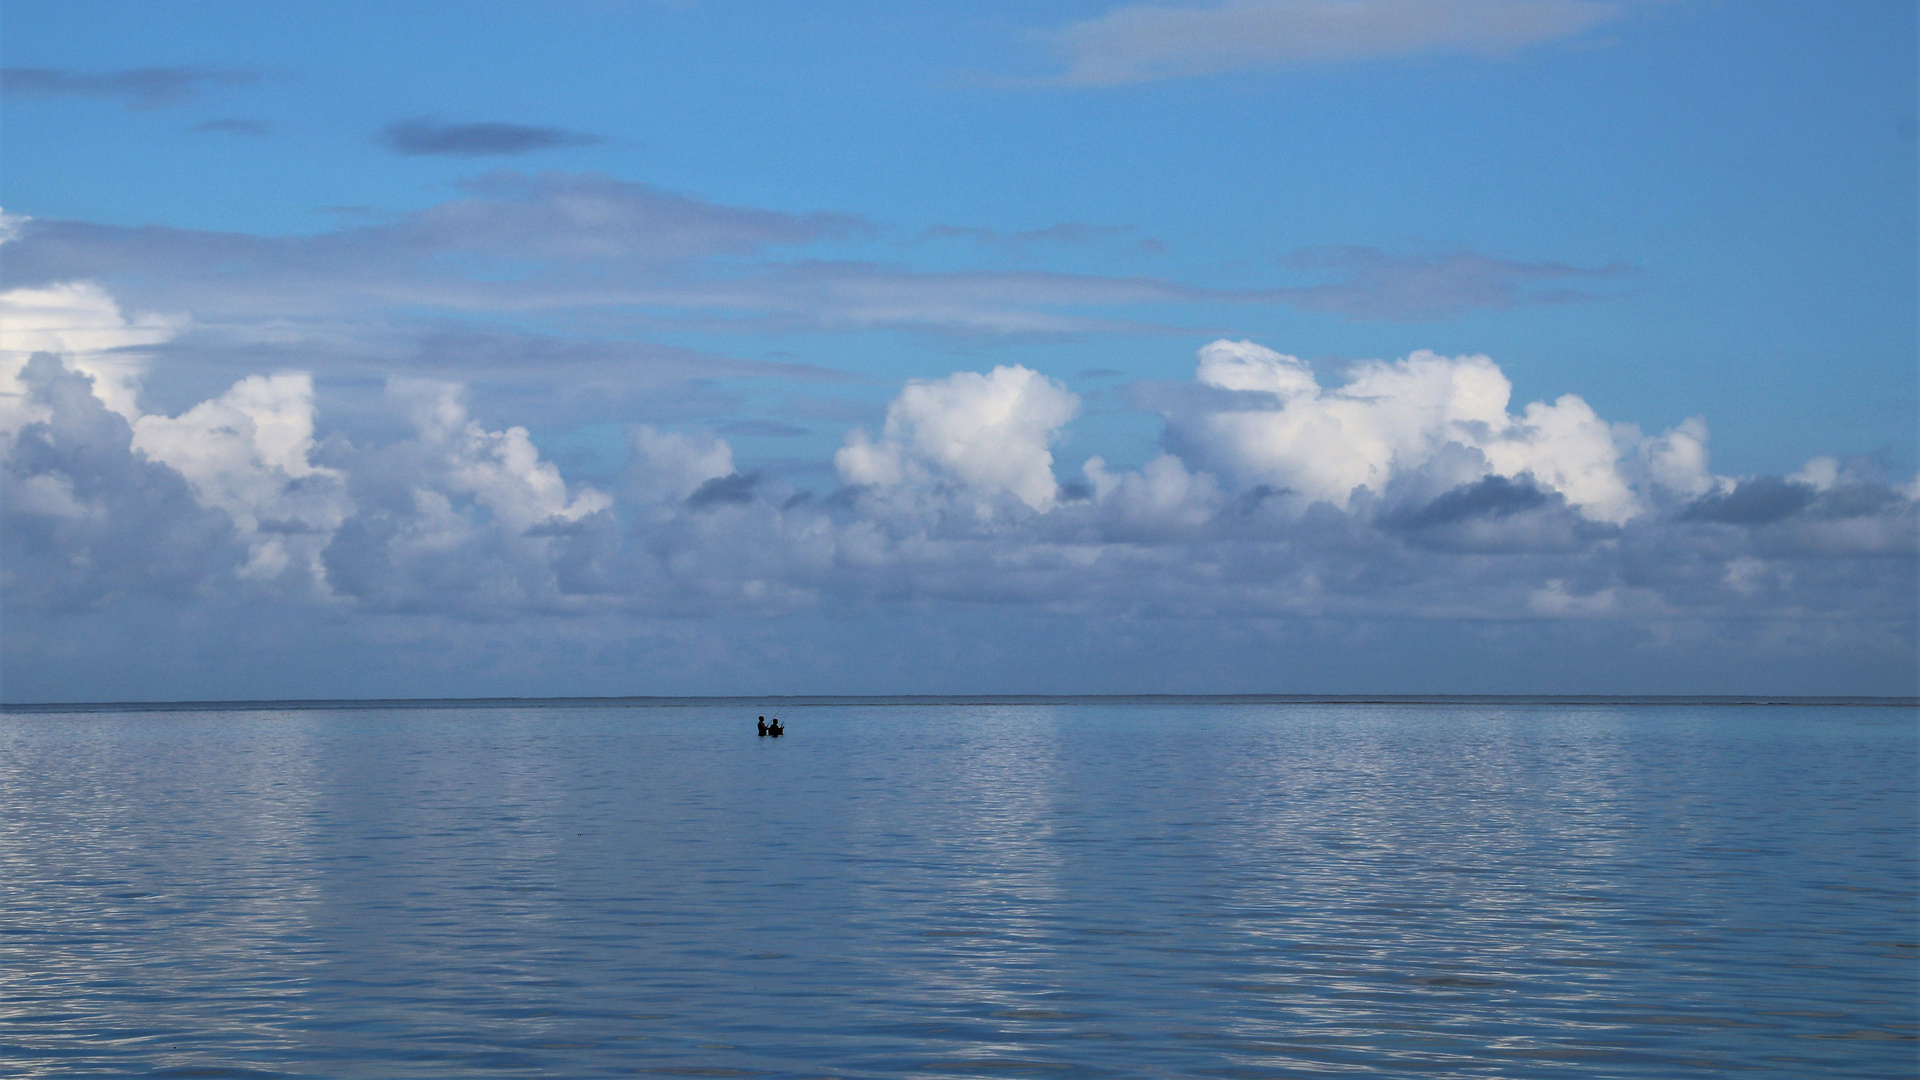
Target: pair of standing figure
{"x": 773, "y": 730}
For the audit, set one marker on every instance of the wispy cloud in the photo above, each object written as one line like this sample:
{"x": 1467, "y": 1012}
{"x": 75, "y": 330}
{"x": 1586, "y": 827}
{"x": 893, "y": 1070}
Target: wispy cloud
{"x": 235, "y": 126}
{"x": 1148, "y": 42}
{"x": 421, "y": 136}
{"x": 761, "y": 429}
{"x": 142, "y": 88}
{"x": 517, "y": 245}
{"x": 511, "y": 241}
{"x": 617, "y": 254}
{"x": 1395, "y": 287}
{"x": 1065, "y": 234}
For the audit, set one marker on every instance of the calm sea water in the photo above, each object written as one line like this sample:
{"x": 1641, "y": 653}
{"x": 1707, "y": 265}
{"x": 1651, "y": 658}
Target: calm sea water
{"x": 1094, "y": 889}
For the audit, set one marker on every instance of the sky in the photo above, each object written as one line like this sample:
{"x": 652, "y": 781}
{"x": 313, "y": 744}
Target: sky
{"x": 1262, "y": 346}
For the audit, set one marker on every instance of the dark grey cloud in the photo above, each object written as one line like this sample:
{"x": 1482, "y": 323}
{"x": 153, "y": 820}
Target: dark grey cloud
{"x": 141, "y": 88}
{"x": 733, "y": 488}
{"x": 425, "y": 135}
{"x": 1491, "y": 496}
{"x": 1855, "y": 500}
{"x": 1782, "y": 517}
{"x": 1758, "y": 501}
{"x": 1495, "y": 515}
{"x": 235, "y": 126}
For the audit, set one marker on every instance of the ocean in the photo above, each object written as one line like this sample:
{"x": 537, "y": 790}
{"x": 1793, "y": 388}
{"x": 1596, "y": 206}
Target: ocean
{"x": 937, "y": 888}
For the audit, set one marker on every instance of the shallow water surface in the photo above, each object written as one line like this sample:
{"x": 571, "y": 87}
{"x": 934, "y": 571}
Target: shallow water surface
{"x": 1094, "y": 889}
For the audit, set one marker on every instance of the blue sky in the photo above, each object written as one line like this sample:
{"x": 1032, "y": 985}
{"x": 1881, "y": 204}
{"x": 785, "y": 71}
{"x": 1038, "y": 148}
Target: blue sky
{"x": 761, "y": 223}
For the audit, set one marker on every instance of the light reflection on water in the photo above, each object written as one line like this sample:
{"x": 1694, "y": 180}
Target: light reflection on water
{"x": 1066, "y": 890}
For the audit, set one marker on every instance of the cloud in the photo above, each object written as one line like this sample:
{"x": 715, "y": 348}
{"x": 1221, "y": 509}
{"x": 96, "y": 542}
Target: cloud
{"x": 1405, "y": 288}
{"x": 1148, "y": 42}
{"x": 143, "y": 88}
{"x": 87, "y": 518}
{"x": 653, "y": 258}
{"x": 245, "y": 453}
{"x": 428, "y": 136}
{"x": 735, "y": 488}
{"x": 670, "y": 466}
{"x": 76, "y": 318}
{"x": 987, "y": 433}
{"x": 1495, "y": 514}
{"x": 511, "y": 241}
{"x": 501, "y": 470}
{"x": 619, "y": 257}
{"x": 235, "y": 126}
{"x": 1412, "y": 493}
{"x": 462, "y": 519}
{"x": 762, "y": 429}
{"x": 1759, "y": 501}
{"x": 1490, "y": 496}
{"x": 1831, "y": 507}
{"x": 1163, "y": 501}
{"x": 849, "y": 295}
{"x": 1419, "y": 426}
{"x": 594, "y": 218}
{"x": 82, "y": 322}
{"x": 249, "y": 453}
{"x": 1066, "y": 234}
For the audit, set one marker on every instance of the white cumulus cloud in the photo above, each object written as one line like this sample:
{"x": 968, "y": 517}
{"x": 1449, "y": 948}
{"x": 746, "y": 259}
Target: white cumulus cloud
{"x": 989, "y": 433}
{"x": 1428, "y": 422}
{"x": 460, "y": 517}
{"x": 81, "y": 322}
{"x": 667, "y": 466}
{"x": 245, "y": 453}
{"x": 249, "y": 452}
{"x": 501, "y": 470}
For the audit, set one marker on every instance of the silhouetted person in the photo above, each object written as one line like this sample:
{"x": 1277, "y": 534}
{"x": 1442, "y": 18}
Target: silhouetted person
{"x": 774, "y": 729}
{"x": 763, "y": 727}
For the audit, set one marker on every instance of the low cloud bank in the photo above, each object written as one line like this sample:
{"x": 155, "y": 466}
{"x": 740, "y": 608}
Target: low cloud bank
{"x": 1413, "y": 490}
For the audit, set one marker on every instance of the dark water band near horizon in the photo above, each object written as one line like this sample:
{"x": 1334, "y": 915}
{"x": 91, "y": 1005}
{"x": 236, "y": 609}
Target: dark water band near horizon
{"x": 1062, "y": 888}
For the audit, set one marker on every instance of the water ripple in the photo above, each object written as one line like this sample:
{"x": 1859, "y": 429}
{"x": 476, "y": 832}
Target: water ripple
{"x": 1096, "y": 890}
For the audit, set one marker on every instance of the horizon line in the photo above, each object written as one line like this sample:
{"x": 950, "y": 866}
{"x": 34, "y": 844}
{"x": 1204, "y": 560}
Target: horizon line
{"x": 873, "y": 700}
